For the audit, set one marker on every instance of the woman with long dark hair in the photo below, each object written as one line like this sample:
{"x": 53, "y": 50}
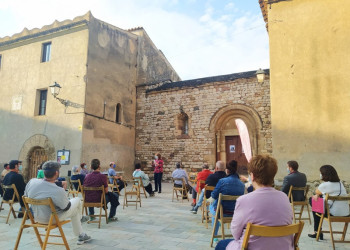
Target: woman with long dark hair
{"x": 334, "y": 187}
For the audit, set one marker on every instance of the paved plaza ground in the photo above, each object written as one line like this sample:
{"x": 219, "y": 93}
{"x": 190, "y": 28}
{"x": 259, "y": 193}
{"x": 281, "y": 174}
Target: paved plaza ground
{"x": 158, "y": 224}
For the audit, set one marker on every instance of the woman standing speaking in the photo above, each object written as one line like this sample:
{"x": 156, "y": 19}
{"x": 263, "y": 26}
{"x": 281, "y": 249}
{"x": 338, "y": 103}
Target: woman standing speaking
{"x": 158, "y": 172}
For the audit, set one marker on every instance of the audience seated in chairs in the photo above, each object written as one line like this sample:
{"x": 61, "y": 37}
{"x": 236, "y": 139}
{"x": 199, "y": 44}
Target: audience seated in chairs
{"x": 264, "y": 206}
{"x": 334, "y": 187}
{"x": 96, "y": 179}
{"x": 13, "y": 177}
{"x": 144, "y": 177}
{"x": 230, "y": 185}
{"x": 65, "y": 208}
{"x": 181, "y": 173}
{"x": 118, "y": 179}
{"x": 77, "y": 176}
{"x": 201, "y": 176}
{"x": 212, "y": 180}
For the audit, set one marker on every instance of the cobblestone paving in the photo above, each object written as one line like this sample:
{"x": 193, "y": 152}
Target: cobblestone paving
{"x": 158, "y": 224}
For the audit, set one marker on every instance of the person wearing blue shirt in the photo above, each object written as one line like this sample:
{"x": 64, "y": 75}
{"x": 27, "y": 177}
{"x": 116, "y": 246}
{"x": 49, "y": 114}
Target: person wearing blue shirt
{"x": 230, "y": 185}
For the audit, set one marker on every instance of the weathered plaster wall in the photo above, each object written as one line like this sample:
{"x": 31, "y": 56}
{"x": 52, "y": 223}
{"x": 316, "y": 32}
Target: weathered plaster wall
{"x": 152, "y": 64}
{"x": 22, "y": 74}
{"x": 157, "y": 111}
{"x": 111, "y": 78}
{"x": 310, "y": 94}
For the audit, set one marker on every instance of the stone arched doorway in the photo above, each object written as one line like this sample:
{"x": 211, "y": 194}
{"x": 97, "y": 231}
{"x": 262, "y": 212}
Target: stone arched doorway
{"x": 223, "y": 128}
{"x": 35, "y": 150}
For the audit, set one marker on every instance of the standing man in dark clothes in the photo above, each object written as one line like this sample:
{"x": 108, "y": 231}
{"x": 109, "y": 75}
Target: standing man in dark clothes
{"x": 13, "y": 177}
{"x": 212, "y": 180}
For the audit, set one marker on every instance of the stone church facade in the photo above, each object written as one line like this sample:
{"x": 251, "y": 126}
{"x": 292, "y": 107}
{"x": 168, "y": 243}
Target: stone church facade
{"x": 121, "y": 101}
{"x": 189, "y": 121}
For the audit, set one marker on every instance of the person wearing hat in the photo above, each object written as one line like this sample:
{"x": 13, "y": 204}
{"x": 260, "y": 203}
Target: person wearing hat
{"x": 65, "y": 208}
{"x": 13, "y": 177}
{"x": 119, "y": 179}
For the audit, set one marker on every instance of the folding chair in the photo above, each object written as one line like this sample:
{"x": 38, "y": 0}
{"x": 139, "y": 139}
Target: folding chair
{"x": 198, "y": 185}
{"x": 268, "y": 231}
{"x": 219, "y": 217}
{"x": 192, "y": 177}
{"x": 14, "y": 200}
{"x": 72, "y": 190}
{"x": 135, "y": 190}
{"x": 54, "y": 222}
{"x": 205, "y": 204}
{"x": 345, "y": 219}
{"x": 101, "y": 204}
{"x": 114, "y": 186}
{"x": 182, "y": 190}
{"x": 142, "y": 188}
{"x": 303, "y": 203}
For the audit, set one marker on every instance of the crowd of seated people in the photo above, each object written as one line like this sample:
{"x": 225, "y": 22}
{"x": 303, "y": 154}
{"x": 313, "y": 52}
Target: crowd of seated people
{"x": 261, "y": 204}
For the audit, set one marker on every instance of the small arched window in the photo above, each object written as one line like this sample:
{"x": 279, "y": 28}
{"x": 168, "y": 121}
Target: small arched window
{"x": 118, "y": 113}
{"x": 183, "y": 123}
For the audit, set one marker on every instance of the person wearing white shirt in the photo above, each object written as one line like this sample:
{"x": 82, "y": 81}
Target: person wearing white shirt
{"x": 334, "y": 187}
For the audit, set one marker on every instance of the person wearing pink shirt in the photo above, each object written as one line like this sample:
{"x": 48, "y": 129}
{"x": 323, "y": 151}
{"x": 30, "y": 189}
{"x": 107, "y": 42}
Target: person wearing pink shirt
{"x": 264, "y": 206}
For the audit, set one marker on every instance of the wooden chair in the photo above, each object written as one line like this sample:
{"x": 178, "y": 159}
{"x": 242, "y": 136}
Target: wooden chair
{"x": 268, "y": 231}
{"x": 198, "y": 185}
{"x": 142, "y": 188}
{"x": 135, "y": 190}
{"x": 182, "y": 190}
{"x": 114, "y": 186}
{"x": 219, "y": 217}
{"x": 205, "y": 204}
{"x": 345, "y": 219}
{"x": 102, "y": 204}
{"x": 192, "y": 177}
{"x": 302, "y": 204}
{"x": 54, "y": 222}
{"x": 14, "y": 200}
{"x": 72, "y": 190}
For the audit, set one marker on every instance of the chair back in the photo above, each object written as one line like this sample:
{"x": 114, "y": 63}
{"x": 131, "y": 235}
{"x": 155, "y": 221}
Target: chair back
{"x": 335, "y": 199}
{"x": 298, "y": 192}
{"x": 192, "y": 176}
{"x": 139, "y": 180}
{"x": 72, "y": 187}
{"x": 12, "y": 190}
{"x": 183, "y": 180}
{"x": 225, "y": 198}
{"x": 273, "y": 231}
{"x": 102, "y": 202}
{"x": 53, "y": 223}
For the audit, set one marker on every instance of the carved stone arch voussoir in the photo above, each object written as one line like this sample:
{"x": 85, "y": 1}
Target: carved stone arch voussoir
{"x": 30, "y": 144}
{"x": 248, "y": 114}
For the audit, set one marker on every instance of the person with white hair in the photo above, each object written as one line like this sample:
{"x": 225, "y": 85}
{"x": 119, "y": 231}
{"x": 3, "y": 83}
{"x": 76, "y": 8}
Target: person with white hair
{"x": 77, "y": 176}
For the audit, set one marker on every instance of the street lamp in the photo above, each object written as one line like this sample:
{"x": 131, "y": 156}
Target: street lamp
{"x": 55, "y": 89}
{"x": 260, "y": 74}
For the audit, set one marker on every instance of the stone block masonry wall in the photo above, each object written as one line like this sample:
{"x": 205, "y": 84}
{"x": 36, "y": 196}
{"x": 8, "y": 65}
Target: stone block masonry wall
{"x": 157, "y": 120}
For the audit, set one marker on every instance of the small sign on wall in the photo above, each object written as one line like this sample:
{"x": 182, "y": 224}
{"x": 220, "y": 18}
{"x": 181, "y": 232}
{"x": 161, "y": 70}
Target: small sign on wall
{"x": 232, "y": 148}
{"x": 63, "y": 156}
{"x": 17, "y": 102}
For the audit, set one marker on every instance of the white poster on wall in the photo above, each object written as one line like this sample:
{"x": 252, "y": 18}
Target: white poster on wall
{"x": 17, "y": 102}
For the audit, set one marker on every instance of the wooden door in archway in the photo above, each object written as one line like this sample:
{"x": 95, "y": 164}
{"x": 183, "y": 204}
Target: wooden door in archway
{"x": 234, "y": 151}
{"x": 37, "y": 157}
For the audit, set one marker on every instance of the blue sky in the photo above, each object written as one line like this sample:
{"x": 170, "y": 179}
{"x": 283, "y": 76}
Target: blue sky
{"x": 200, "y": 38}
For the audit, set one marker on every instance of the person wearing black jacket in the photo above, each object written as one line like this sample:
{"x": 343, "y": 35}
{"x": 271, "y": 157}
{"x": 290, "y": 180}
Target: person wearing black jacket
{"x": 13, "y": 177}
{"x": 212, "y": 180}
